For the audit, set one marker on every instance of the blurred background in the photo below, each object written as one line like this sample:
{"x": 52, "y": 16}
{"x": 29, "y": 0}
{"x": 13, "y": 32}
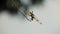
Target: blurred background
{"x": 48, "y": 13}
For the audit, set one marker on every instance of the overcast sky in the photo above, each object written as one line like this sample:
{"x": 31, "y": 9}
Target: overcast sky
{"x": 47, "y": 13}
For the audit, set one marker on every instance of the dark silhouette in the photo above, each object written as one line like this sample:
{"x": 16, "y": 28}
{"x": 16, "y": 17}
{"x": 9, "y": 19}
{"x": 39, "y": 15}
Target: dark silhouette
{"x": 13, "y": 5}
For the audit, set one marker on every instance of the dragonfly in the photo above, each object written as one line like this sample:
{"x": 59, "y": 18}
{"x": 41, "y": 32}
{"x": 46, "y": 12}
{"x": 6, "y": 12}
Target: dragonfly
{"x": 33, "y": 16}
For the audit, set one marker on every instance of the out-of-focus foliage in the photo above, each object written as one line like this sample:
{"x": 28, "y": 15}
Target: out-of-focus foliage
{"x": 14, "y": 5}
{"x": 37, "y": 1}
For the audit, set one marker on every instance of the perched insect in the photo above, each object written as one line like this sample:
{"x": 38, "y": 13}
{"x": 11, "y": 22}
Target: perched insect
{"x": 33, "y": 17}
{"x": 13, "y": 6}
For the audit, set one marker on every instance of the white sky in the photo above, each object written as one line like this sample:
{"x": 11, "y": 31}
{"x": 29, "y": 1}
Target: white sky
{"x": 48, "y": 14}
